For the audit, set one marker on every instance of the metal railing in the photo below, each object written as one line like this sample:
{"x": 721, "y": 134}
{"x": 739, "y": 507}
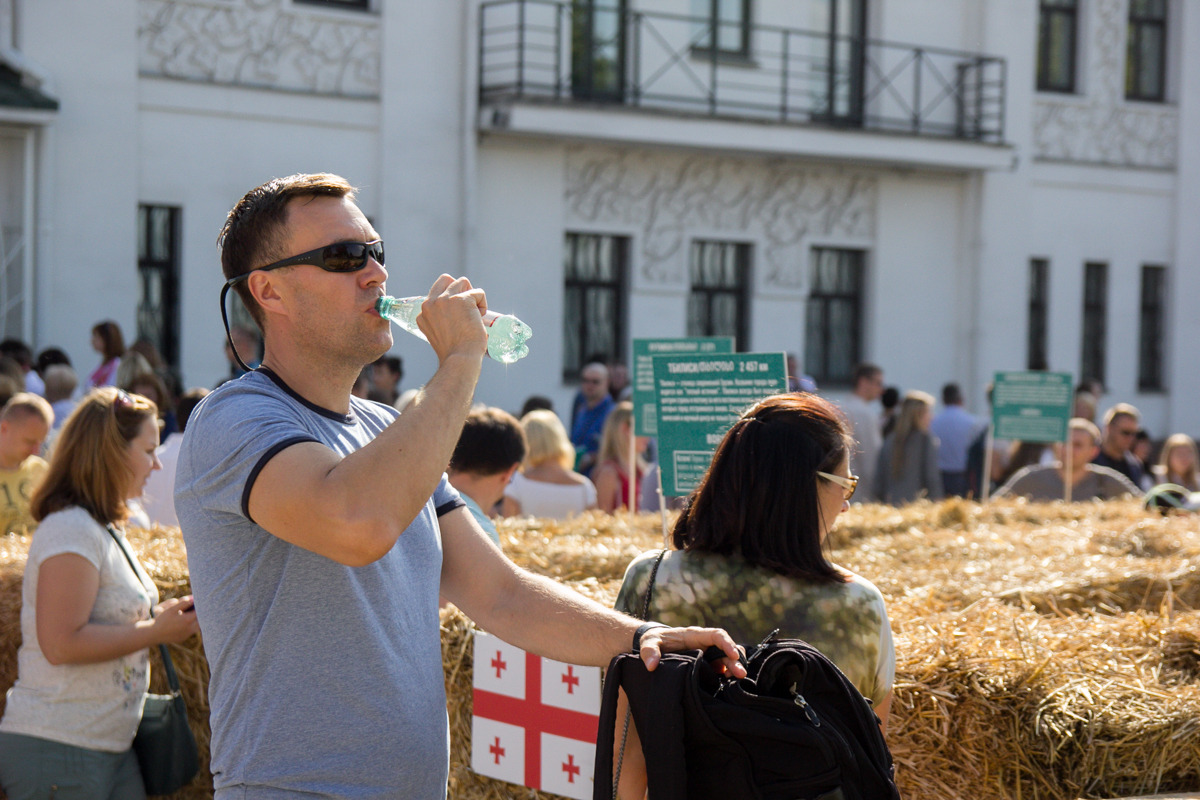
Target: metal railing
{"x": 581, "y": 52}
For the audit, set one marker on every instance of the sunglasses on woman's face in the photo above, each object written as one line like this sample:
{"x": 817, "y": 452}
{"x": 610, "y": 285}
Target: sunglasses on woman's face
{"x": 337, "y": 257}
{"x": 848, "y": 484}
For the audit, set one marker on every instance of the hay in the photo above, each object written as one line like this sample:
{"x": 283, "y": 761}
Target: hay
{"x": 1044, "y": 652}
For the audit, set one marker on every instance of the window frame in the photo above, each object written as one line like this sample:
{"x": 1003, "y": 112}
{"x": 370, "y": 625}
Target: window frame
{"x": 1048, "y": 12}
{"x": 165, "y": 333}
{"x": 1152, "y": 329}
{"x": 342, "y": 5}
{"x": 573, "y": 312}
{"x": 741, "y": 254}
{"x": 816, "y": 362}
{"x": 1136, "y": 54}
{"x": 1037, "y": 328}
{"x": 710, "y": 21}
{"x": 1093, "y": 359}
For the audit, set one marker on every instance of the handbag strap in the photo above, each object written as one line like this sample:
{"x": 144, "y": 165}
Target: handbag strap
{"x": 650, "y": 586}
{"x": 172, "y": 678}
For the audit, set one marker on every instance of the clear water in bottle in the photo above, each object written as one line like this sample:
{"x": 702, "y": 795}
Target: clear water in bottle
{"x": 506, "y": 334}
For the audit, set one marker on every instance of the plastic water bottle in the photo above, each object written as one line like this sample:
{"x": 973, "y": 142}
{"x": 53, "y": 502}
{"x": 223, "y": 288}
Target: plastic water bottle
{"x": 506, "y": 333}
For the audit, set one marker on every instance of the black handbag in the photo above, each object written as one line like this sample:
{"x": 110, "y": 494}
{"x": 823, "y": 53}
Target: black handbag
{"x": 164, "y": 744}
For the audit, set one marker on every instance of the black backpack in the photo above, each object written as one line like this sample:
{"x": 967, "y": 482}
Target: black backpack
{"x": 794, "y": 729}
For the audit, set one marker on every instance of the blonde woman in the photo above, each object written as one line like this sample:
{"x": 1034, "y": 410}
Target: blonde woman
{"x": 1179, "y": 462}
{"x": 908, "y": 467}
{"x": 613, "y": 482}
{"x": 546, "y": 486}
{"x": 83, "y": 666}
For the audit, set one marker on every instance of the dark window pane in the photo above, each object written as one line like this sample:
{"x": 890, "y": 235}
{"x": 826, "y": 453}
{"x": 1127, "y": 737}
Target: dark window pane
{"x": 1057, "y": 28}
{"x": 1152, "y": 328}
{"x": 1039, "y": 271}
{"x": 833, "y": 315}
{"x": 158, "y": 279}
{"x": 1095, "y": 311}
{"x": 718, "y": 299}
{"x": 594, "y": 270}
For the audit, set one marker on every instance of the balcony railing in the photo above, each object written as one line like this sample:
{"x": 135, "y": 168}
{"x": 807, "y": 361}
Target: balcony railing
{"x": 582, "y": 52}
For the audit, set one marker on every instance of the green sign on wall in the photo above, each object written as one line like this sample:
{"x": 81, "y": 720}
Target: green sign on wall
{"x": 698, "y": 398}
{"x": 644, "y": 350}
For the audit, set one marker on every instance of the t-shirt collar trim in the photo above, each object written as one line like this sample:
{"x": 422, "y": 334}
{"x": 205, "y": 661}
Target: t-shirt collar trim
{"x": 316, "y": 409}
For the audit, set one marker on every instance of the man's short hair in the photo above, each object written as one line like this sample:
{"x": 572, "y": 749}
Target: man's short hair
{"x": 951, "y": 395}
{"x": 866, "y": 371}
{"x": 1121, "y": 410}
{"x": 490, "y": 443}
{"x": 24, "y": 405}
{"x": 1087, "y": 426}
{"x": 60, "y": 380}
{"x": 252, "y": 235}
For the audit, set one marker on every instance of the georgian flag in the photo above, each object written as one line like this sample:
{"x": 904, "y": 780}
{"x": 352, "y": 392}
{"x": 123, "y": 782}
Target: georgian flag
{"x": 534, "y": 720}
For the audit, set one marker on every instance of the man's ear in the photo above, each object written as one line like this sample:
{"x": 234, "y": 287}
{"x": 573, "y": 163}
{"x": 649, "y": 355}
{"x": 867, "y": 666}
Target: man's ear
{"x": 511, "y": 470}
{"x": 265, "y": 290}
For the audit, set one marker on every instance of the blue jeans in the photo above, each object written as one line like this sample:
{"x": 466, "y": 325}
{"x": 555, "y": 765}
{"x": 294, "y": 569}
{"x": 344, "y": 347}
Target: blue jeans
{"x": 39, "y": 769}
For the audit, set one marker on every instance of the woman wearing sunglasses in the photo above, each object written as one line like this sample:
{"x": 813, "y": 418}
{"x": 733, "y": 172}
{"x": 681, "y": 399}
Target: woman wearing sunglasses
{"x": 749, "y": 553}
{"x": 83, "y": 666}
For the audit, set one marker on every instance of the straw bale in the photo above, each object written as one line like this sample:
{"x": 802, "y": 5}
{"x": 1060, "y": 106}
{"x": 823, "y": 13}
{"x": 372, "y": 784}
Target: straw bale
{"x": 1044, "y": 651}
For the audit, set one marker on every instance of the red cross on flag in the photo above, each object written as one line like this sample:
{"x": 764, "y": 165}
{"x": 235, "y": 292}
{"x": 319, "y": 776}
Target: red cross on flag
{"x": 534, "y": 719}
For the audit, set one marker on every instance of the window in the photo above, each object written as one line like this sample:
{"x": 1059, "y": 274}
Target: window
{"x": 1152, "y": 327}
{"x": 594, "y": 286}
{"x": 1146, "y": 50}
{"x": 1058, "y": 22}
{"x": 354, "y": 5}
{"x": 1095, "y": 312}
{"x": 728, "y": 21}
{"x": 158, "y": 279}
{"x": 1039, "y": 277}
{"x": 833, "y": 315}
{"x": 718, "y": 300}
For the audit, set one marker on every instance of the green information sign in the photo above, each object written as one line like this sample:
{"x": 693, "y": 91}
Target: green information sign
{"x": 698, "y": 398}
{"x": 1032, "y": 406}
{"x": 644, "y": 350}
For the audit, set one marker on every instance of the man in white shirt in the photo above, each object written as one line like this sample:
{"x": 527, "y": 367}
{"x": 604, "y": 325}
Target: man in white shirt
{"x": 864, "y": 423}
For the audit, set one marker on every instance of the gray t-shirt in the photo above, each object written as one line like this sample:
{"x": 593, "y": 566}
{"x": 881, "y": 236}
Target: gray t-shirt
{"x": 325, "y": 679}
{"x": 1043, "y": 483}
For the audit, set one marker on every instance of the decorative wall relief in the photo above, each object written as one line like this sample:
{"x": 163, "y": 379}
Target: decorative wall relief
{"x": 1100, "y": 126}
{"x": 260, "y": 43}
{"x": 671, "y": 197}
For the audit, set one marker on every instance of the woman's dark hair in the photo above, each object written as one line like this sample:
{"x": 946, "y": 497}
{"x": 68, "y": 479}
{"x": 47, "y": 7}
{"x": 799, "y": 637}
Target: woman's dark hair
{"x": 110, "y": 334}
{"x": 759, "y": 498}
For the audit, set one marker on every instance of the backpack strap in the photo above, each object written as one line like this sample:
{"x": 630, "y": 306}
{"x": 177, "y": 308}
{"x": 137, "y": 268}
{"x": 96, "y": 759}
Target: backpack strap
{"x": 637, "y": 640}
{"x": 656, "y": 702}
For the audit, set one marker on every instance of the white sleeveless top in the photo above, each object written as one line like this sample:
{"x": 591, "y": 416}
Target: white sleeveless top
{"x": 551, "y": 500}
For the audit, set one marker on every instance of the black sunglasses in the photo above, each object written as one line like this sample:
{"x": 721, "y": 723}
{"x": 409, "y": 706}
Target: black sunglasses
{"x": 336, "y": 257}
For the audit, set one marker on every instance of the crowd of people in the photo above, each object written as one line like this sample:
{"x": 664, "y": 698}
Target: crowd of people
{"x": 907, "y": 449}
{"x": 328, "y": 515}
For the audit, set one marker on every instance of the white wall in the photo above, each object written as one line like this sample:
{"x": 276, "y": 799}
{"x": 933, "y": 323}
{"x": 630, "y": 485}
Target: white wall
{"x": 87, "y": 254}
{"x": 203, "y": 147}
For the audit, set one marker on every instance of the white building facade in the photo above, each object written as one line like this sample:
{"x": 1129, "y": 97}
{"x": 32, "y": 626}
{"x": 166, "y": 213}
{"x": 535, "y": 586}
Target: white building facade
{"x": 944, "y": 188}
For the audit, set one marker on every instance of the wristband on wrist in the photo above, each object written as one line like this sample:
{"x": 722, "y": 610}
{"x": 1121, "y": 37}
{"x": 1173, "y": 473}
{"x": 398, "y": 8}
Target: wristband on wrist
{"x": 641, "y": 631}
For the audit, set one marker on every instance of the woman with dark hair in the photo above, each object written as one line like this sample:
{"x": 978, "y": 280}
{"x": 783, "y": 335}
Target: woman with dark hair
{"x": 83, "y": 666}
{"x": 110, "y": 344}
{"x": 749, "y": 552}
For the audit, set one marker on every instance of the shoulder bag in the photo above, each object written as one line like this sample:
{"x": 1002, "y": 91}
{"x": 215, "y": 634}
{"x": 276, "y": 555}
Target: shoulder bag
{"x": 164, "y": 744}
